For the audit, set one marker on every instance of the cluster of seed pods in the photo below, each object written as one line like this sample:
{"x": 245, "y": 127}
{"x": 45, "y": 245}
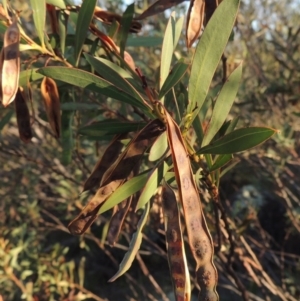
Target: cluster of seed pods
{"x": 115, "y": 175}
{"x": 10, "y": 91}
{"x": 199, "y": 237}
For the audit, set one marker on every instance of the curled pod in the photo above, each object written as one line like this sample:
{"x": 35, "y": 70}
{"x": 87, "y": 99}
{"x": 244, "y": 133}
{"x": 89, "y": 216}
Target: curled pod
{"x": 23, "y": 117}
{"x": 90, "y": 212}
{"x": 117, "y": 221}
{"x": 128, "y": 58}
{"x": 195, "y": 19}
{"x": 52, "y": 104}
{"x": 110, "y": 155}
{"x": 133, "y": 153}
{"x": 10, "y": 64}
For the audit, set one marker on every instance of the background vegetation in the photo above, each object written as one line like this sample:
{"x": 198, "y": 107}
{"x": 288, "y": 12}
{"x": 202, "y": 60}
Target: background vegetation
{"x": 40, "y": 260}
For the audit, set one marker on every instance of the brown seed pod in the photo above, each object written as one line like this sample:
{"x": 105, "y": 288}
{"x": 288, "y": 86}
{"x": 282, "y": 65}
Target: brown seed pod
{"x": 128, "y": 59}
{"x": 117, "y": 221}
{"x": 175, "y": 245}
{"x": 52, "y": 17}
{"x": 52, "y": 104}
{"x": 10, "y": 64}
{"x": 90, "y": 212}
{"x": 119, "y": 172}
{"x": 158, "y": 7}
{"x": 133, "y": 153}
{"x": 195, "y": 19}
{"x": 23, "y": 117}
{"x": 210, "y": 7}
{"x": 108, "y": 18}
{"x": 199, "y": 237}
{"x": 110, "y": 155}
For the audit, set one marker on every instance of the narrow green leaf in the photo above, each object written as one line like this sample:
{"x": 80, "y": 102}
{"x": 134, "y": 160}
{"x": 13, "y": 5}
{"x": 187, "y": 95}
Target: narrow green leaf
{"x": 133, "y": 247}
{"x": 57, "y": 3}
{"x": 220, "y": 162}
{"x": 123, "y": 192}
{"x": 178, "y": 30}
{"x": 238, "y": 140}
{"x": 155, "y": 177}
{"x": 158, "y": 148}
{"x": 62, "y": 29}
{"x": 209, "y": 51}
{"x": 110, "y": 127}
{"x": 173, "y": 78}
{"x": 89, "y": 81}
{"x": 85, "y": 16}
{"x": 5, "y": 119}
{"x": 79, "y": 106}
{"x": 67, "y": 142}
{"x": 125, "y": 26}
{"x": 198, "y": 128}
{"x": 133, "y": 79}
{"x": 228, "y": 168}
{"x": 39, "y": 17}
{"x": 114, "y": 74}
{"x": 144, "y": 41}
{"x": 223, "y": 104}
{"x": 167, "y": 50}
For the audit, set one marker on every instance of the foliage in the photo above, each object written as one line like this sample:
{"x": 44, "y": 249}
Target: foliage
{"x": 168, "y": 129}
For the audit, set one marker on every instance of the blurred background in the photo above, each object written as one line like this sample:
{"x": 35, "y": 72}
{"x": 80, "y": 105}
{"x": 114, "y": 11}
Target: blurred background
{"x": 40, "y": 260}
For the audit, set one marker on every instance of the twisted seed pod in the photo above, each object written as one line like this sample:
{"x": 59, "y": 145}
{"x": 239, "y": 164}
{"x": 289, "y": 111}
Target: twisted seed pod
{"x": 23, "y": 117}
{"x": 117, "y": 220}
{"x": 10, "y": 64}
{"x": 195, "y": 19}
{"x": 158, "y": 7}
{"x": 110, "y": 155}
{"x": 90, "y": 212}
{"x": 175, "y": 245}
{"x": 52, "y": 104}
{"x": 134, "y": 151}
{"x": 198, "y": 234}
{"x": 116, "y": 175}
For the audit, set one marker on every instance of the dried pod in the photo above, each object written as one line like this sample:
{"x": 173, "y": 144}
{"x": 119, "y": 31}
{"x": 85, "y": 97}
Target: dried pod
{"x": 195, "y": 19}
{"x": 108, "y": 18}
{"x": 90, "y": 212}
{"x": 133, "y": 153}
{"x": 53, "y": 18}
{"x": 23, "y": 117}
{"x": 127, "y": 58}
{"x": 10, "y": 64}
{"x": 124, "y": 168}
{"x": 110, "y": 155}
{"x": 117, "y": 220}
{"x": 52, "y": 104}
{"x": 158, "y": 7}
{"x": 199, "y": 237}
{"x": 175, "y": 245}
{"x": 122, "y": 209}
